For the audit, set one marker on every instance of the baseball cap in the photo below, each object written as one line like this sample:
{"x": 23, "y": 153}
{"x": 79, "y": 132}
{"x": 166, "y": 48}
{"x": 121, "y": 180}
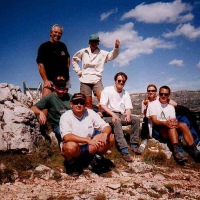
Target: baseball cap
{"x": 94, "y": 37}
{"x": 78, "y": 96}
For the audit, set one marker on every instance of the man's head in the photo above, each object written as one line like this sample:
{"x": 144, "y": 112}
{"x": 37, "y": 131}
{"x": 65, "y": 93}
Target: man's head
{"x": 164, "y": 93}
{"x": 78, "y": 103}
{"x": 56, "y": 33}
{"x": 60, "y": 86}
{"x": 151, "y": 90}
{"x": 120, "y": 79}
{"x": 94, "y": 41}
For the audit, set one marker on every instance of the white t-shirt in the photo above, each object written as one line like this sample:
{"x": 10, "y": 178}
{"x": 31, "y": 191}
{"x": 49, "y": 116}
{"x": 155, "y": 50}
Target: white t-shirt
{"x": 163, "y": 112}
{"x": 84, "y": 126}
{"x": 117, "y": 102}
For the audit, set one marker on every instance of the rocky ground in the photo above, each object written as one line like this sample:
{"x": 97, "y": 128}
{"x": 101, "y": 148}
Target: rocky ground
{"x": 149, "y": 176}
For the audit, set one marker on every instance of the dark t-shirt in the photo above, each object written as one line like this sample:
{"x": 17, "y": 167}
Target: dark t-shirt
{"x": 54, "y": 57}
{"x": 55, "y": 105}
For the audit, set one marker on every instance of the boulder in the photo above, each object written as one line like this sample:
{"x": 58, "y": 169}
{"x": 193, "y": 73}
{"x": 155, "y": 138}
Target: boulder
{"x": 19, "y": 129}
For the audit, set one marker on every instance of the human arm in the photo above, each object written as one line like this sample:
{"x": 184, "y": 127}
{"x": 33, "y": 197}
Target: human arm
{"x": 75, "y": 62}
{"x": 40, "y": 114}
{"x": 43, "y": 74}
{"x": 109, "y": 112}
{"x": 114, "y": 53}
{"x": 128, "y": 115}
{"x": 170, "y": 123}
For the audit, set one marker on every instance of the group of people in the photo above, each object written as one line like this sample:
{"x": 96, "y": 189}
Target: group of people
{"x": 84, "y": 135}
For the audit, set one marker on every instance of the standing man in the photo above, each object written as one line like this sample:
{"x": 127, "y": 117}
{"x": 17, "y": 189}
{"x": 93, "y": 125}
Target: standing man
{"x": 53, "y": 59}
{"x": 93, "y": 60}
{"x": 56, "y": 103}
{"x": 79, "y": 144}
{"x": 116, "y": 102}
{"x": 163, "y": 117}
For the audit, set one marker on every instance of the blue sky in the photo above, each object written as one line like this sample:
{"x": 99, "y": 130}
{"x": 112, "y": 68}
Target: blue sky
{"x": 160, "y": 40}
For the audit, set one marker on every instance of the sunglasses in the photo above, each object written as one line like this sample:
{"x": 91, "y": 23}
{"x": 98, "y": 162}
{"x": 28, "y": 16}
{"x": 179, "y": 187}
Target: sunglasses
{"x": 121, "y": 81}
{"x": 151, "y": 90}
{"x": 164, "y": 94}
{"x": 81, "y": 102}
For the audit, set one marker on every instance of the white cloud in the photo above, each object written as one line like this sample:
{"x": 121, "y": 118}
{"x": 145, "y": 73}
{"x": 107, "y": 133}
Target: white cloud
{"x": 160, "y": 12}
{"x": 198, "y": 65}
{"x": 177, "y": 62}
{"x": 131, "y": 44}
{"x": 187, "y": 30}
{"x": 105, "y": 15}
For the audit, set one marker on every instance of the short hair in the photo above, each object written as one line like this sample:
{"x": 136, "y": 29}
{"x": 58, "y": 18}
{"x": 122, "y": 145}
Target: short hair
{"x": 60, "y": 81}
{"x": 120, "y": 74}
{"x": 56, "y": 25}
{"x": 165, "y": 87}
{"x": 152, "y": 85}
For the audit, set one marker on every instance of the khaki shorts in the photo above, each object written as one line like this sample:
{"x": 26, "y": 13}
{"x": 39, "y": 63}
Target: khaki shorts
{"x": 87, "y": 88}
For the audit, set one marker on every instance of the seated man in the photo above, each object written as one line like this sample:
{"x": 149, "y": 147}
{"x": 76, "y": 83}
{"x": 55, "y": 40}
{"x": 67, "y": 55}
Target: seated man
{"x": 80, "y": 146}
{"x": 165, "y": 123}
{"x": 116, "y": 103}
{"x": 56, "y": 103}
{"x": 183, "y": 115}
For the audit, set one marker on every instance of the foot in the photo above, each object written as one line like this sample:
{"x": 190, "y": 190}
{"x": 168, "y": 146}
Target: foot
{"x": 73, "y": 168}
{"x": 179, "y": 154}
{"x": 127, "y": 158}
{"x": 135, "y": 149}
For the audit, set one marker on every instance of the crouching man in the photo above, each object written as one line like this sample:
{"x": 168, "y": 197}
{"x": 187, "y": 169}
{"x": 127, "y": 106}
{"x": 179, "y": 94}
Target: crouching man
{"x": 80, "y": 146}
{"x": 163, "y": 117}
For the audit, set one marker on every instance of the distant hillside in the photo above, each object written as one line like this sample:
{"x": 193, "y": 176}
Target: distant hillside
{"x": 189, "y": 99}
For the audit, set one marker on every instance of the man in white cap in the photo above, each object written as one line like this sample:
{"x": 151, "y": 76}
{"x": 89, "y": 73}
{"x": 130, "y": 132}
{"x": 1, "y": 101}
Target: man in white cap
{"x": 93, "y": 60}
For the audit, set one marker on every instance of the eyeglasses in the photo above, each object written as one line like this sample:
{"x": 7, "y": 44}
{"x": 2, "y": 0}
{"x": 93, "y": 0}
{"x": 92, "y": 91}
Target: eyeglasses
{"x": 81, "y": 102}
{"x": 164, "y": 94}
{"x": 121, "y": 81}
{"x": 151, "y": 90}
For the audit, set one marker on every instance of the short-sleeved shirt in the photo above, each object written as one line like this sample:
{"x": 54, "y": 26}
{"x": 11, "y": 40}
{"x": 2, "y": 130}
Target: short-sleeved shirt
{"x": 54, "y": 57}
{"x": 83, "y": 126}
{"x": 163, "y": 112}
{"x": 117, "y": 102}
{"x": 56, "y": 106}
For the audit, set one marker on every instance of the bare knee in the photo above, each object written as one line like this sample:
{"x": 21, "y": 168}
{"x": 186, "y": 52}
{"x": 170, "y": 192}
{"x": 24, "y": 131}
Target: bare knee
{"x": 70, "y": 150}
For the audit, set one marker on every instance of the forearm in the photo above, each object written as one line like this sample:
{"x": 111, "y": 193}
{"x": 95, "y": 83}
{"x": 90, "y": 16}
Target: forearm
{"x": 68, "y": 62}
{"x": 107, "y": 110}
{"x": 42, "y": 72}
{"x": 107, "y": 130}
{"x": 74, "y": 138}
{"x": 36, "y": 110}
{"x": 113, "y": 54}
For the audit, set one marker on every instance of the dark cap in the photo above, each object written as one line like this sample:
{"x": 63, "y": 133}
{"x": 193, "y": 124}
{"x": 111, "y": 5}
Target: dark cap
{"x": 60, "y": 82}
{"x": 78, "y": 96}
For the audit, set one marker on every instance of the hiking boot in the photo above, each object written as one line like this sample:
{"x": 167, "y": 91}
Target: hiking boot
{"x": 194, "y": 153}
{"x": 135, "y": 149}
{"x": 73, "y": 168}
{"x": 179, "y": 154}
{"x": 100, "y": 165}
{"x": 127, "y": 158}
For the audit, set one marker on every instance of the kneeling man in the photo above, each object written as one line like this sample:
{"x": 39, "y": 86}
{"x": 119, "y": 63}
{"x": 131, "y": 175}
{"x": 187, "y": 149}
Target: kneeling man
{"x": 80, "y": 145}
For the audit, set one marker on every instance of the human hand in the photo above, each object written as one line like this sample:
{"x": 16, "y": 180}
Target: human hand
{"x": 115, "y": 118}
{"x": 48, "y": 84}
{"x": 128, "y": 118}
{"x": 80, "y": 73}
{"x": 172, "y": 123}
{"x": 117, "y": 43}
{"x": 42, "y": 118}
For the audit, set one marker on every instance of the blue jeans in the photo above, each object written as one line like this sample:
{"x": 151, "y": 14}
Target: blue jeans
{"x": 118, "y": 132}
{"x": 56, "y": 130}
